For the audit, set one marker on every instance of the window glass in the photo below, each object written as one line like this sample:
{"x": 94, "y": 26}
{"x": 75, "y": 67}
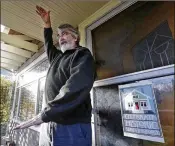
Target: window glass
{"x": 135, "y": 96}
{"x": 28, "y": 101}
{"x": 38, "y": 71}
{"x": 141, "y": 103}
{"x": 129, "y": 42}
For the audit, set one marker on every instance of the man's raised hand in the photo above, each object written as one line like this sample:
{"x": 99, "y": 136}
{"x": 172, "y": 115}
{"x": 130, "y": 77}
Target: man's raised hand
{"x": 45, "y": 15}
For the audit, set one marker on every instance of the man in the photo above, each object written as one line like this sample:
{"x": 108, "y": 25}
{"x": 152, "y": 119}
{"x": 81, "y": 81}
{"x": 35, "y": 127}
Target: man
{"x": 67, "y": 89}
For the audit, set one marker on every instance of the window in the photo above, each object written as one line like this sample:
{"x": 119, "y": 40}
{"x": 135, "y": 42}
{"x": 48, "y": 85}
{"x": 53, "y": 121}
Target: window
{"x": 141, "y": 103}
{"x": 133, "y": 45}
{"x": 30, "y": 91}
{"x": 137, "y": 105}
{"x": 135, "y": 96}
{"x": 28, "y": 101}
{"x": 34, "y": 73}
{"x": 145, "y": 104}
{"x": 129, "y": 104}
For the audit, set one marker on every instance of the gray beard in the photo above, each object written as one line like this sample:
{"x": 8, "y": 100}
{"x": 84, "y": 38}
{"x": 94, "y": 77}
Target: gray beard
{"x": 66, "y": 46}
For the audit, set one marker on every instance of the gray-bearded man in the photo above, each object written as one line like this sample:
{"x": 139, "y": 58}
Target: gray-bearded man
{"x": 67, "y": 89}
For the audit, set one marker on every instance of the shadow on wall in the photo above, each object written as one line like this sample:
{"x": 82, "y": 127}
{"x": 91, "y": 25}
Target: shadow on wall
{"x": 111, "y": 130}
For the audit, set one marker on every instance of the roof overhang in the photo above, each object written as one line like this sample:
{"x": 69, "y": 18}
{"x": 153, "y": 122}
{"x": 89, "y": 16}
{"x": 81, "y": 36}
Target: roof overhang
{"x": 22, "y": 35}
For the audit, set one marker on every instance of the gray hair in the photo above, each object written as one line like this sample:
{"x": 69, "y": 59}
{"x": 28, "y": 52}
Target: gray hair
{"x": 72, "y": 29}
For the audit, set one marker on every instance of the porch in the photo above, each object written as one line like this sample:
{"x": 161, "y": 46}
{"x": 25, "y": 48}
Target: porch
{"x": 115, "y": 32}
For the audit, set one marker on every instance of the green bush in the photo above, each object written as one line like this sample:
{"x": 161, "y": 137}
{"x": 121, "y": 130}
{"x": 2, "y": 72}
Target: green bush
{"x": 5, "y": 99}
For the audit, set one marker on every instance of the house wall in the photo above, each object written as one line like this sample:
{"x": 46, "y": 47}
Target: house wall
{"x": 108, "y": 127}
{"x": 108, "y": 114}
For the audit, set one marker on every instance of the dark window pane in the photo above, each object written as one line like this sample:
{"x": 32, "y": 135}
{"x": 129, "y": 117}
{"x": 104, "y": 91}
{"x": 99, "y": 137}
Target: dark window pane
{"x": 141, "y": 103}
{"x": 130, "y": 42}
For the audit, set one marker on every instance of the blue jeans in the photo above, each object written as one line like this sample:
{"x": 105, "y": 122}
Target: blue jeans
{"x": 71, "y": 135}
{"x": 52, "y": 134}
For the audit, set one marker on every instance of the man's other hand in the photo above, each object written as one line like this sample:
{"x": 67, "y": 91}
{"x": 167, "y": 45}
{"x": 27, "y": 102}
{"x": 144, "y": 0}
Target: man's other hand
{"x": 34, "y": 121}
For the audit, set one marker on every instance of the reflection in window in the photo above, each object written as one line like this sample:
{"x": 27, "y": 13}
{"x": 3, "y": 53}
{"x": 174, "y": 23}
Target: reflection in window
{"x": 41, "y": 95}
{"x": 35, "y": 73}
{"x": 27, "y": 102}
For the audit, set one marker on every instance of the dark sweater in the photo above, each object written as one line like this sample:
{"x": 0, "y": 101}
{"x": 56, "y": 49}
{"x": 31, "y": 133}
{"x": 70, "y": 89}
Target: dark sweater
{"x": 68, "y": 83}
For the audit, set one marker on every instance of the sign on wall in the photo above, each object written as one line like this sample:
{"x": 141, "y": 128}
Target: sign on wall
{"x": 140, "y": 117}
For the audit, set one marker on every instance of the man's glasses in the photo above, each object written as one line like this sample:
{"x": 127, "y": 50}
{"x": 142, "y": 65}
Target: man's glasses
{"x": 62, "y": 34}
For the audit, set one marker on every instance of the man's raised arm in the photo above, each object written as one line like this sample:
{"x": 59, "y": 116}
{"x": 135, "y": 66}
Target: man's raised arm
{"x": 50, "y": 49}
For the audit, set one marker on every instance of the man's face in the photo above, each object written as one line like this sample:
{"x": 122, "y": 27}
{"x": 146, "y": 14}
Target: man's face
{"x": 66, "y": 40}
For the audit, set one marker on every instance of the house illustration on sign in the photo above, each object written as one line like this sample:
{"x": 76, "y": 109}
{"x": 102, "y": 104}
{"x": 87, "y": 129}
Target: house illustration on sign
{"x": 137, "y": 102}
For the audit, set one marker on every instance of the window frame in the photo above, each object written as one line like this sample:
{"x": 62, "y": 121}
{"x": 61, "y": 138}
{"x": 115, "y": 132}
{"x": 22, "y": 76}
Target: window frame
{"x": 18, "y": 97}
{"x": 135, "y": 76}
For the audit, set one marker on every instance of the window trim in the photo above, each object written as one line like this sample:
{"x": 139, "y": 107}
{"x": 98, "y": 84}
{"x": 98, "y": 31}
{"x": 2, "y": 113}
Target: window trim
{"x": 19, "y": 101}
{"x": 136, "y": 76}
{"x": 38, "y": 93}
{"x": 37, "y": 97}
{"x": 118, "y": 9}
{"x": 14, "y": 101}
